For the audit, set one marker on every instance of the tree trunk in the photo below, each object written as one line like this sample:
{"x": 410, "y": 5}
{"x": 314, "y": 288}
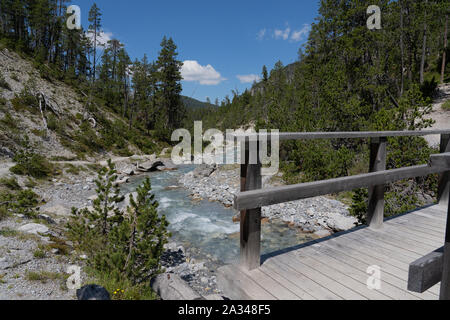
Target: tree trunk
{"x": 402, "y": 49}
{"x": 424, "y": 46}
{"x": 444, "y": 54}
{"x": 95, "y": 49}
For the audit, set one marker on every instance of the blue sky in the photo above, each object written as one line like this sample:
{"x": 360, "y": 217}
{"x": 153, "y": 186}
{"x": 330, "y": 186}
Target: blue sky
{"x": 224, "y": 43}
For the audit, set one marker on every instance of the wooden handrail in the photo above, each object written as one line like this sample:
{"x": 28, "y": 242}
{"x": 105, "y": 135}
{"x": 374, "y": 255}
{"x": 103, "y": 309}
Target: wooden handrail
{"x": 283, "y": 136}
{"x": 266, "y": 197}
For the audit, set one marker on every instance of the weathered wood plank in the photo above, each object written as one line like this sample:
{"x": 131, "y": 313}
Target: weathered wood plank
{"x": 331, "y": 260}
{"x": 238, "y": 286}
{"x": 376, "y": 252}
{"x": 392, "y": 285}
{"x": 287, "y": 283}
{"x": 422, "y": 233}
{"x": 346, "y": 276}
{"x": 375, "y": 214}
{"x": 276, "y": 289}
{"x": 267, "y": 197}
{"x": 396, "y": 276}
{"x": 325, "y": 281}
{"x": 417, "y": 231}
{"x": 426, "y": 272}
{"x": 384, "y": 247}
{"x": 411, "y": 242}
{"x": 431, "y": 214}
{"x": 300, "y": 280}
{"x": 424, "y": 219}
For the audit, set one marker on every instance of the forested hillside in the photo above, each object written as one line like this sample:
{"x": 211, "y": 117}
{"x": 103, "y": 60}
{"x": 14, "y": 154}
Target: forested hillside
{"x": 144, "y": 96}
{"x": 349, "y": 78}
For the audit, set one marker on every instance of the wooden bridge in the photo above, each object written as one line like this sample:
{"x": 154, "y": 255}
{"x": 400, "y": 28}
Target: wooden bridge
{"x": 400, "y": 258}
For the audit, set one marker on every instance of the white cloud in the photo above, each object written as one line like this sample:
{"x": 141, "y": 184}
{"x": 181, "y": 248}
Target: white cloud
{"x": 102, "y": 38}
{"x": 249, "y": 78}
{"x": 301, "y": 34}
{"x": 261, "y": 34}
{"x": 205, "y": 75}
{"x": 282, "y": 34}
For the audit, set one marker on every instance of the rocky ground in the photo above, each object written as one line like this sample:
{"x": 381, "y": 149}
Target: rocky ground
{"x": 200, "y": 274}
{"x": 32, "y": 265}
{"x": 321, "y": 215}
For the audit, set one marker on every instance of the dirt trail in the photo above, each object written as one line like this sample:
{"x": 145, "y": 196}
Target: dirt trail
{"x": 439, "y": 115}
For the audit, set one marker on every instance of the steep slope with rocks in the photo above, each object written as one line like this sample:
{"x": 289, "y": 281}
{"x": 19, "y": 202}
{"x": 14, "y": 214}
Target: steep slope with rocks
{"x": 22, "y": 95}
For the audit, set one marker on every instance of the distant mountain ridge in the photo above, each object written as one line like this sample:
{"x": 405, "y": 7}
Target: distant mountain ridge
{"x": 191, "y": 103}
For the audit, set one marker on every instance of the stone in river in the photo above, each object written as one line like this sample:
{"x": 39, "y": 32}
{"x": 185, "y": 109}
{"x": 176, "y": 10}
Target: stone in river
{"x": 322, "y": 233}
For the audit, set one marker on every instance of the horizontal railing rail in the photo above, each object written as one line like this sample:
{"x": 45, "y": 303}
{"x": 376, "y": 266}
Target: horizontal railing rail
{"x": 266, "y": 197}
{"x": 283, "y": 136}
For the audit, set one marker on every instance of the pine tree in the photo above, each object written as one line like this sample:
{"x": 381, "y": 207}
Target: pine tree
{"x": 265, "y": 75}
{"x": 147, "y": 235}
{"x": 95, "y": 29}
{"x": 169, "y": 89}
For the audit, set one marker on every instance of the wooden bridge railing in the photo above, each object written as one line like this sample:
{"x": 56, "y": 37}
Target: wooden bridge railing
{"x": 252, "y": 198}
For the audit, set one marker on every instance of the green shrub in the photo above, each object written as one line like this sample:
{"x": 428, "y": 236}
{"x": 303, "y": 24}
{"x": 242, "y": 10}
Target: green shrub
{"x": 446, "y": 105}
{"x": 45, "y": 276}
{"x": 25, "y": 101}
{"x": 3, "y": 212}
{"x": 10, "y": 183}
{"x": 3, "y": 102}
{"x": 359, "y": 207}
{"x": 30, "y": 163}
{"x": 20, "y": 202}
{"x": 124, "y": 289}
{"x": 9, "y": 121}
{"x": 39, "y": 254}
{"x": 429, "y": 87}
{"x": 4, "y": 84}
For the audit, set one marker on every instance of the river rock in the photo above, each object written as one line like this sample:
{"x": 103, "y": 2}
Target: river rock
{"x": 171, "y": 287}
{"x": 150, "y": 166}
{"x": 338, "y": 222}
{"x": 204, "y": 171}
{"x": 322, "y": 233}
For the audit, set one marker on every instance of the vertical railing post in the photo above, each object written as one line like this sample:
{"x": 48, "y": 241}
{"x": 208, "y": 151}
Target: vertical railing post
{"x": 375, "y": 214}
{"x": 445, "y": 283}
{"x": 444, "y": 178}
{"x": 251, "y": 179}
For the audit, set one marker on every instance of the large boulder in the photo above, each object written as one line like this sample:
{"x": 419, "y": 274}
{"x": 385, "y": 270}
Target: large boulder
{"x": 171, "y": 287}
{"x": 150, "y": 166}
{"x": 338, "y": 222}
{"x": 204, "y": 171}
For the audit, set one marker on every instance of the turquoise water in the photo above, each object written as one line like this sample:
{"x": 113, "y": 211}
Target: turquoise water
{"x": 208, "y": 226}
